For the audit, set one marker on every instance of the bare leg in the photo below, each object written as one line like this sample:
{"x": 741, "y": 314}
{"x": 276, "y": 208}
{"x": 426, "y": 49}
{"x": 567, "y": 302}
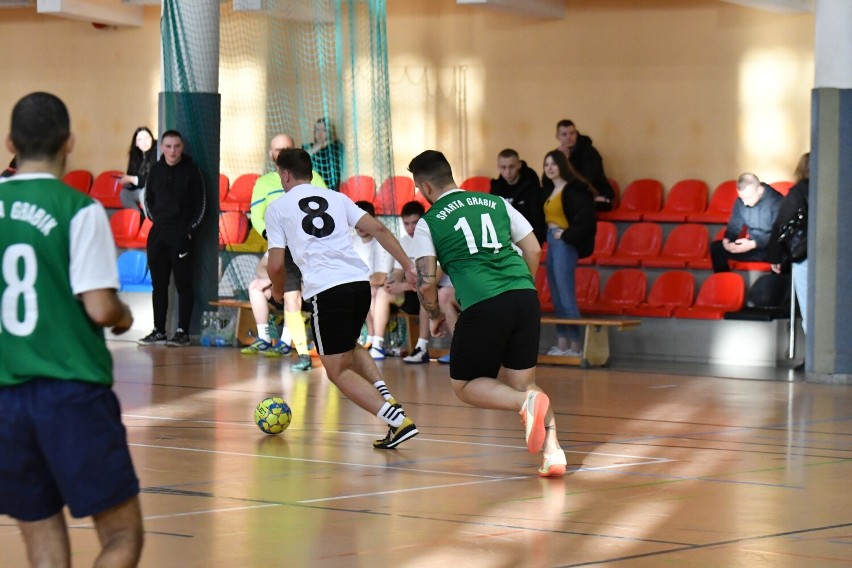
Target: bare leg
{"x": 340, "y": 369}
{"x": 294, "y": 321}
{"x": 447, "y": 303}
{"x": 381, "y": 311}
{"x": 47, "y": 542}
{"x": 258, "y": 291}
{"x": 424, "y": 324}
{"x": 121, "y": 535}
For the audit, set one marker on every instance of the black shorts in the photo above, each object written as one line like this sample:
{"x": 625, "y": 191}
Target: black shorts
{"x": 337, "y": 315}
{"x": 62, "y": 442}
{"x": 293, "y": 283}
{"x": 499, "y": 332}
{"x": 411, "y": 303}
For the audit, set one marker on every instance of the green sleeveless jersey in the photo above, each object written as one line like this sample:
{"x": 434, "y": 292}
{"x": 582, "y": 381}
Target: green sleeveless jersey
{"x": 472, "y": 235}
{"x": 44, "y": 329}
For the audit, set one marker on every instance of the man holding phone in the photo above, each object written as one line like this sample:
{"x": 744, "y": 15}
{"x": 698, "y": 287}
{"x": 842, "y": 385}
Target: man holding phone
{"x": 749, "y": 226}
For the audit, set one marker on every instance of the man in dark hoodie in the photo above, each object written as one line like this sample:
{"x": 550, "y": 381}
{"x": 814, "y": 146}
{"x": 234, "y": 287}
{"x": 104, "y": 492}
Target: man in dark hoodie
{"x": 176, "y": 203}
{"x": 586, "y": 160}
{"x": 518, "y": 184}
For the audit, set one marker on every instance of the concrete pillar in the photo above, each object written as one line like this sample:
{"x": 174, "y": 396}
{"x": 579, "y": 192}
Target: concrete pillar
{"x": 190, "y": 103}
{"x": 829, "y": 338}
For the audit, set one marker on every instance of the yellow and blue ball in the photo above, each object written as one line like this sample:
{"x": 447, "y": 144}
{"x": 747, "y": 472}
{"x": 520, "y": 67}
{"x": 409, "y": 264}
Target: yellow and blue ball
{"x": 272, "y": 415}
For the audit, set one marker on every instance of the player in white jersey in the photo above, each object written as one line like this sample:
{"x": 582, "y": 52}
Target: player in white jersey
{"x": 315, "y": 225}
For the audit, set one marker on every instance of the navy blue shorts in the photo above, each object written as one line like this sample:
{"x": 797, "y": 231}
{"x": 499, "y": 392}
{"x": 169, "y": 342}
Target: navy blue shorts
{"x": 62, "y": 443}
{"x": 502, "y": 331}
{"x": 337, "y": 316}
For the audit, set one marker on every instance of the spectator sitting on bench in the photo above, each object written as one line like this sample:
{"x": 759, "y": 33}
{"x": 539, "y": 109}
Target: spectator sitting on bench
{"x": 749, "y": 226}
{"x": 397, "y": 291}
{"x": 260, "y": 293}
{"x": 380, "y": 264}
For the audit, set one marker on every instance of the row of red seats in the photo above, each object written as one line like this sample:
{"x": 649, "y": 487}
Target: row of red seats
{"x": 672, "y": 295}
{"x": 129, "y": 233}
{"x": 686, "y": 201}
{"x": 105, "y": 187}
{"x": 687, "y": 246}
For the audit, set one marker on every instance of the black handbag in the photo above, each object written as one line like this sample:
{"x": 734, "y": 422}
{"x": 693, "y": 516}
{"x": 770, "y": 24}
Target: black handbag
{"x": 794, "y": 236}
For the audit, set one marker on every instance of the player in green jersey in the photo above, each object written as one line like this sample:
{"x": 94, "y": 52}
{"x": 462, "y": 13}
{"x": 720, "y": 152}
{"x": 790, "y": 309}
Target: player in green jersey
{"x": 471, "y": 235}
{"x": 61, "y": 437}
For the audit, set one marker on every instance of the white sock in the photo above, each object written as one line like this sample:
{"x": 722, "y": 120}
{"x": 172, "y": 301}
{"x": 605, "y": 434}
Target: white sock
{"x": 392, "y": 415}
{"x": 383, "y": 389}
{"x": 286, "y": 338}
{"x": 422, "y": 344}
{"x": 263, "y": 331}
{"x": 378, "y": 342}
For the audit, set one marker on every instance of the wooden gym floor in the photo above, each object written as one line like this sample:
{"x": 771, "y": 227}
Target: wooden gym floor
{"x": 665, "y": 470}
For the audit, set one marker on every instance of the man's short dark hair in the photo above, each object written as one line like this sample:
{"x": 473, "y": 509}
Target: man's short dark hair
{"x": 171, "y": 133}
{"x": 564, "y": 123}
{"x": 508, "y": 153}
{"x": 432, "y": 166}
{"x": 40, "y": 126}
{"x": 412, "y": 208}
{"x": 367, "y": 206}
{"x": 296, "y": 161}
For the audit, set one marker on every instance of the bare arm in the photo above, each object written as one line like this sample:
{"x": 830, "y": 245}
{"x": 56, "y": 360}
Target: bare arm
{"x": 373, "y": 226}
{"x": 105, "y": 309}
{"x": 530, "y": 251}
{"x": 275, "y": 269}
{"x": 427, "y": 291}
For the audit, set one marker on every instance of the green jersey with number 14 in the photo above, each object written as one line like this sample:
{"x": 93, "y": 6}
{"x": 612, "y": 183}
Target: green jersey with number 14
{"x": 472, "y": 236}
{"x": 51, "y": 248}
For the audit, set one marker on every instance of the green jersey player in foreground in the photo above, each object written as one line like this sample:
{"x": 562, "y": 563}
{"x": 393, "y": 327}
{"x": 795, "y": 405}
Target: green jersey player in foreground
{"x": 471, "y": 235}
{"x": 61, "y": 437}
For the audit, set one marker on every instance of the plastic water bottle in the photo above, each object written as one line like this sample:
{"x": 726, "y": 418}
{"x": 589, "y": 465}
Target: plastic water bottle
{"x": 205, "y": 329}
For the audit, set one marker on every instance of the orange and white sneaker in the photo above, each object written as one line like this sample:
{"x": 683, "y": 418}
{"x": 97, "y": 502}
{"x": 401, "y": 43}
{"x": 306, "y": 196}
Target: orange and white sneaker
{"x": 554, "y": 465}
{"x": 532, "y": 415}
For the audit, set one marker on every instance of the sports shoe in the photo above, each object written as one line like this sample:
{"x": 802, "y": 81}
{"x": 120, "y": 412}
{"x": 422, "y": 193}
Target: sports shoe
{"x": 418, "y": 356}
{"x": 571, "y": 353}
{"x": 179, "y": 339}
{"x": 555, "y": 350}
{"x": 377, "y": 353}
{"x": 303, "y": 363}
{"x": 553, "y": 465}
{"x": 259, "y": 346}
{"x": 153, "y": 338}
{"x": 445, "y": 360}
{"x": 397, "y": 435}
{"x": 532, "y": 415}
{"x": 280, "y": 349}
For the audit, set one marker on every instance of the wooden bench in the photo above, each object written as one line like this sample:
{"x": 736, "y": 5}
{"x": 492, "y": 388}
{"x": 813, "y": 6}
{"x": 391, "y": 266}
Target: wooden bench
{"x": 246, "y": 329}
{"x": 595, "y": 341}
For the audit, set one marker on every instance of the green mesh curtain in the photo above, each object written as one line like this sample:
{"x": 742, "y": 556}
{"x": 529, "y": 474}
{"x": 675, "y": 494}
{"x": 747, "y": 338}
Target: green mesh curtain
{"x": 282, "y": 66}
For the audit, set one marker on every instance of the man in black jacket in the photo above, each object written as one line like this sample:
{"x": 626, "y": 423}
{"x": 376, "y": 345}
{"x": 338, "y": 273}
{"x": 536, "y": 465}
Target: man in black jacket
{"x": 519, "y": 185}
{"x": 749, "y": 226}
{"x": 176, "y": 203}
{"x": 586, "y": 160}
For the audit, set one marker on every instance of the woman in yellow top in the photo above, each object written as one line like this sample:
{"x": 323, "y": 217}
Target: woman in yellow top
{"x": 569, "y": 211}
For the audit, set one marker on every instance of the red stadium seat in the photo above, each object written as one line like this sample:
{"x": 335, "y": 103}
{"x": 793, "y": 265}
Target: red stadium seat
{"x": 224, "y": 185}
{"x": 106, "y": 189}
{"x": 481, "y": 184}
{"x": 359, "y": 188}
{"x": 753, "y": 265}
{"x": 605, "y": 241}
{"x": 395, "y": 192}
{"x": 587, "y": 286}
{"x": 720, "y": 206}
{"x": 722, "y": 292}
{"x": 616, "y": 191}
{"x": 233, "y": 228}
{"x": 141, "y": 239}
{"x": 640, "y": 196}
{"x": 125, "y": 226}
{"x": 639, "y": 242}
{"x": 685, "y": 197}
{"x": 672, "y": 290}
{"x": 543, "y": 289}
{"x": 238, "y": 197}
{"x": 81, "y": 180}
{"x": 782, "y": 187}
{"x": 624, "y": 289}
{"x": 686, "y": 243}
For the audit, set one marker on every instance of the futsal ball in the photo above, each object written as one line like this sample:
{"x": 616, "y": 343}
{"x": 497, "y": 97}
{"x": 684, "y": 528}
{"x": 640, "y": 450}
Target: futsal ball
{"x": 272, "y": 415}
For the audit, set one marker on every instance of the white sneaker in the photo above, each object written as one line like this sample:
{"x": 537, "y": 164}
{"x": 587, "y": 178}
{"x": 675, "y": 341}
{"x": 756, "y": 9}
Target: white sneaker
{"x": 555, "y": 350}
{"x": 418, "y": 356}
{"x": 377, "y": 353}
{"x": 570, "y": 353}
{"x": 533, "y": 413}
